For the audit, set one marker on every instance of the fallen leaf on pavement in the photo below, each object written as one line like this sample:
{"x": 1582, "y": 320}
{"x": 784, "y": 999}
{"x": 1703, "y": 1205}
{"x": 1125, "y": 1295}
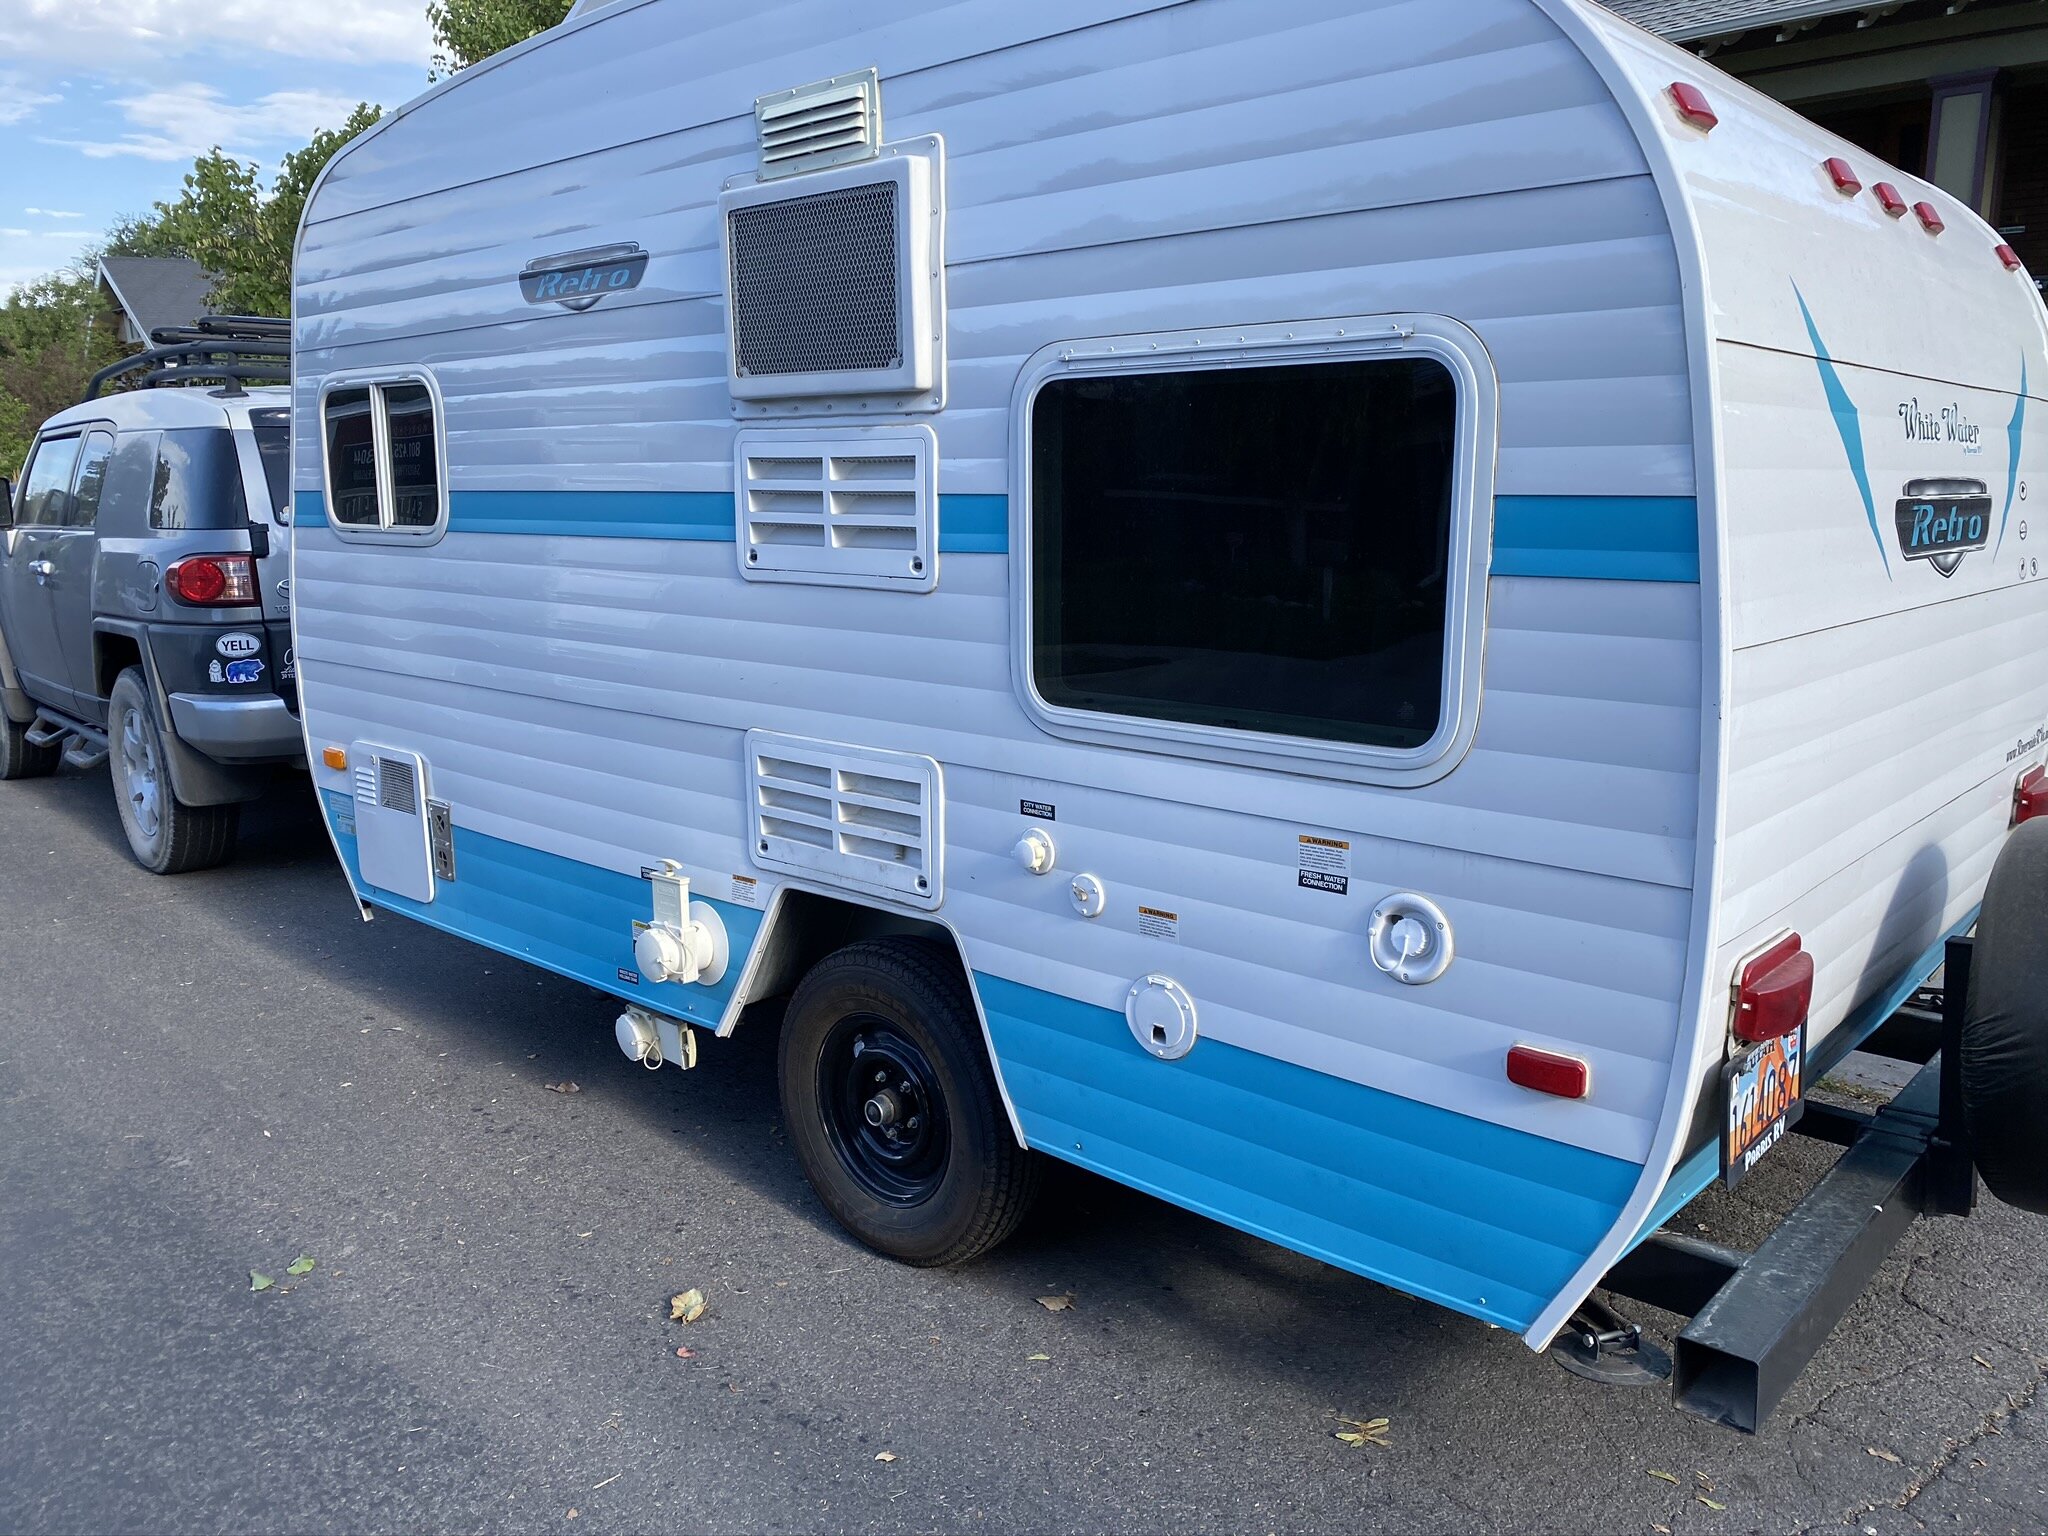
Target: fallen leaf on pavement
{"x": 302, "y": 1265}
{"x": 260, "y": 1282}
{"x": 573, "y": 1514}
{"x": 1710, "y": 1503}
{"x": 684, "y": 1352}
{"x": 1038, "y": 1357}
{"x": 686, "y": 1308}
{"x": 1666, "y": 1476}
{"x": 1357, "y": 1432}
{"x": 1982, "y": 1361}
{"x": 563, "y": 1087}
{"x": 1057, "y": 1303}
{"x": 1884, "y": 1455}
{"x": 885, "y": 1455}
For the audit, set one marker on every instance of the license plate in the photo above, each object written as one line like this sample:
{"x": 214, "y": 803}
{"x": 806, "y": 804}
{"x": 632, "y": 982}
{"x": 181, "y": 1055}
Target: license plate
{"x": 1766, "y": 1096}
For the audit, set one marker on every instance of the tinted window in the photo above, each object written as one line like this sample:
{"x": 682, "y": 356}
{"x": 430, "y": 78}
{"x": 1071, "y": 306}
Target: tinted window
{"x": 198, "y": 481}
{"x": 46, "y": 493}
{"x": 351, "y": 459}
{"x": 91, "y": 479}
{"x": 415, "y": 457}
{"x": 1254, "y": 549}
{"x": 274, "y": 446}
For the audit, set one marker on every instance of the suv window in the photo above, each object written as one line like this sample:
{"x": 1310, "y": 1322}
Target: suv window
{"x": 1247, "y": 549}
{"x": 274, "y": 446}
{"x": 198, "y": 481}
{"x": 46, "y": 493}
{"x": 92, "y": 478}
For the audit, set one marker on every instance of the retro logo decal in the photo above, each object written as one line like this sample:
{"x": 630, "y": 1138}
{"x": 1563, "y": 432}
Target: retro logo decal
{"x": 579, "y": 280}
{"x": 1940, "y": 521}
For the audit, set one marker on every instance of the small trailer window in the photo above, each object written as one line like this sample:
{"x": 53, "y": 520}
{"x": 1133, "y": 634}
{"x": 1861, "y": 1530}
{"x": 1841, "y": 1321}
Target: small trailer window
{"x": 384, "y": 450}
{"x": 1248, "y": 549}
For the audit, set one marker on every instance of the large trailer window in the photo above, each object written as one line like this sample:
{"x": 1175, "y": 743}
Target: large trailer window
{"x": 1261, "y": 549}
{"x": 383, "y": 442}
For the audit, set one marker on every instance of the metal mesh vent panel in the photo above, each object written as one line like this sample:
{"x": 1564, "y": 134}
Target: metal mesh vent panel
{"x": 814, "y": 283}
{"x": 395, "y": 788}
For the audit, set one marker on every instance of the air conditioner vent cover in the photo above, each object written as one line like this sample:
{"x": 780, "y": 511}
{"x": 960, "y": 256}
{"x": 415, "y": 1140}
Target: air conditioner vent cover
{"x": 392, "y": 849}
{"x": 855, "y": 817}
{"x": 811, "y": 127}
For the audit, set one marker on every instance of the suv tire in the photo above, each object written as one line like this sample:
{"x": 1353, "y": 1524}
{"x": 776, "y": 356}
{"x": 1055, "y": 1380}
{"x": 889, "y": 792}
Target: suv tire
{"x": 22, "y": 759}
{"x": 167, "y": 836}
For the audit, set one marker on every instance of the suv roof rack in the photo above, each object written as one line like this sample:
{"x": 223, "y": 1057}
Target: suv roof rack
{"x": 232, "y": 350}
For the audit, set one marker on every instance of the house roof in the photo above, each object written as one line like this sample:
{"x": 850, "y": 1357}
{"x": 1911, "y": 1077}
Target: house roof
{"x": 1687, "y": 21}
{"x": 156, "y": 291}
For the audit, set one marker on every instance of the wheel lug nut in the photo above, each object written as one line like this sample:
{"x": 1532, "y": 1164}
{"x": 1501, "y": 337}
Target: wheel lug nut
{"x": 914, "y": 1122}
{"x": 880, "y": 1078}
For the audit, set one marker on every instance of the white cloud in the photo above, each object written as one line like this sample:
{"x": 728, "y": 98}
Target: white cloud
{"x": 104, "y": 33}
{"x": 184, "y": 121}
{"x": 17, "y": 99}
{"x": 50, "y": 213}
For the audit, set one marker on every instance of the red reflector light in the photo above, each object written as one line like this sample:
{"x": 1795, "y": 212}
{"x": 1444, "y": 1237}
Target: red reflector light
{"x": 1693, "y": 106}
{"x": 1843, "y": 176}
{"x": 1566, "y": 1077}
{"x": 213, "y": 581}
{"x": 1930, "y": 218}
{"x": 2010, "y": 257}
{"x": 2030, "y": 797}
{"x": 1890, "y": 200}
{"x": 1774, "y": 991}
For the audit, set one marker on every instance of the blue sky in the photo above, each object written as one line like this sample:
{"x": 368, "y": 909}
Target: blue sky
{"x": 104, "y": 103}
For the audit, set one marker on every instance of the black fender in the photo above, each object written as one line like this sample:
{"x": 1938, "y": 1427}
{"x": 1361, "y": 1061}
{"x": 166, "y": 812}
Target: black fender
{"x": 196, "y": 779}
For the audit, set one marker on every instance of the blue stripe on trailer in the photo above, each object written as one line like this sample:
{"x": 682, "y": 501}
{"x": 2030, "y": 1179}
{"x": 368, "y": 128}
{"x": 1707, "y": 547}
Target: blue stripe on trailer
{"x": 572, "y": 918}
{"x": 1489, "y": 1221}
{"x": 1600, "y": 538}
{"x": 1692, "y": 1177}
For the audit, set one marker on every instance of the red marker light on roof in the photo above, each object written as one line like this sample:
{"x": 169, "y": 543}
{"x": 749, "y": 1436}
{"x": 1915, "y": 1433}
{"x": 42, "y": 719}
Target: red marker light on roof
{"x": 1843, "y": 175}
{"x": 2030, "y": 795}
{"x": 1564, "y": 1077}
{"x": 1930, "y": 218}
{"x": 1693, "y": 106}
{"x": 1889, "y": 199}
{"x": 2010, "y": 257}
{"x": 1773, "y": 991}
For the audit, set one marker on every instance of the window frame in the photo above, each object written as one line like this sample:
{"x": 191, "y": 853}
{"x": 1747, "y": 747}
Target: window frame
{"x": 72, "y": 432}
{"x": 377, "y": 381}
{"x": 1302, "y": 344}
{"x": 107, "y": 430}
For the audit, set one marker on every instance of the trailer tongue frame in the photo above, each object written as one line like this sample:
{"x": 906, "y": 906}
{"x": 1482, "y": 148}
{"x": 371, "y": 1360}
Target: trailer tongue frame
{"x": 1759, "y": 1318}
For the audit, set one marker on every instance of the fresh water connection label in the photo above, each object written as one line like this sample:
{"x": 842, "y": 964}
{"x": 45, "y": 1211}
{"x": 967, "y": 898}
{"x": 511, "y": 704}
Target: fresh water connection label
{"x": 1155, "y": 924}
{"x": 1325, "y": 865}
{"x": 746, "y": 891}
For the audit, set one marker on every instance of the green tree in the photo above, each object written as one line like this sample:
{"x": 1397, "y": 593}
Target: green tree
{"x": 468, "y": 30}
{"x": 54, "y": 333}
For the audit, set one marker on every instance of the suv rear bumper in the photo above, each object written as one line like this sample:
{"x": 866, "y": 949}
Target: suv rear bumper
{"x": 258, "y": 728}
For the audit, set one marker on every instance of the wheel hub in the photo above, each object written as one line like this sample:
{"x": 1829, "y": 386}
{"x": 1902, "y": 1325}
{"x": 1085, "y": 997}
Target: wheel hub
{"x": 138, "y": 772}
{"x": 884, "y": 1110}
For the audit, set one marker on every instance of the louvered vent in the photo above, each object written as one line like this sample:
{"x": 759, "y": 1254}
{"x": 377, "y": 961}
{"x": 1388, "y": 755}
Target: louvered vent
{"x": 866, "y": 820}
{"x": 852, "y": 508}
{"x": 397, "y": 790}
{"x": 834, "y": 122}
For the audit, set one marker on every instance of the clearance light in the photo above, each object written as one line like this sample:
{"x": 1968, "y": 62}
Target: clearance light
{"x": 335, "y": 758}
{"x": 213, "y": 581}
{"x": 1773, "y": 991}
{"x": 2010, "y": 257}
{"x": 2030, "y": 796}
{"x": 1843, "y": 175}
{"x": 1889, "y": 199}
{"x": 1693, "y": 106}
{"x": 1930, "y": 218}
{"x": 1565, "y": 1077}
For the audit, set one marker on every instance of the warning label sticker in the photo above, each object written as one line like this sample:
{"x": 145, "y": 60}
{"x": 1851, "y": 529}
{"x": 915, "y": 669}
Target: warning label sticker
{"x": 1325, "y": 865}
{"x": 1155, "y": 924}
{"x": 746, "y": 891}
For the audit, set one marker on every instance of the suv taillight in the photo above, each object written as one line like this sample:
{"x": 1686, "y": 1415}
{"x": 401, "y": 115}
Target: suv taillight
{"x": 213, "y": 581}
{"x": 2030, "y": 795}
{"x": 1773, "y": 991}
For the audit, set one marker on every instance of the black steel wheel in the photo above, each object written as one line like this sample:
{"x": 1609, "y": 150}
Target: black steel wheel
{"x": 892, "y": 1105}
{"x": 2005, "y": 1026}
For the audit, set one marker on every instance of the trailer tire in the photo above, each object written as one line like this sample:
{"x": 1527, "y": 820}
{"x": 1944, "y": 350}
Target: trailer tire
{"x": 893, "y": 1108}
{"x": 21, "y": 758}
{"x": 2005, "y": 1026}
{"x": 167, "y": 836}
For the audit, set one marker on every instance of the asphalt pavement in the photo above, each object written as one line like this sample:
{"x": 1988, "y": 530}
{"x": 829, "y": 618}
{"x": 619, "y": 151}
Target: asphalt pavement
{"x": 219, "y": 1073}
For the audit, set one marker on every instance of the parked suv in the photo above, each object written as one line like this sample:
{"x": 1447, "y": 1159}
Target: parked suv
{"x": 144, "y": 608}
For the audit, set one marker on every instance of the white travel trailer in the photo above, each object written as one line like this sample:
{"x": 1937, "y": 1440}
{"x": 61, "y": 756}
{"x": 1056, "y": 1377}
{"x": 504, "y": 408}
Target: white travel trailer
{"x": 1339, "y": 610}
